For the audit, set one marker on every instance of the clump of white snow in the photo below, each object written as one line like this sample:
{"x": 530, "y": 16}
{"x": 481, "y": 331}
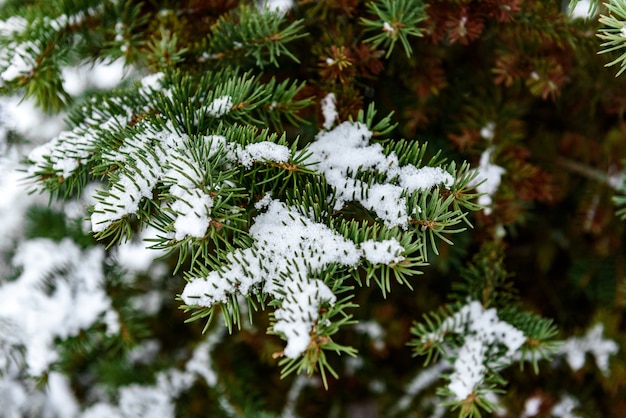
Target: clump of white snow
{"x": 582, "y": 10}
{"x": 575, "y": 349}
{"x": 284, "y": 238}
{"x": 289, "y": 248}
{"x": 134, "y": 255}
{"x": 346, "y": 149}
{"x": 382, "y": 252}
{"x": 152, "y": 81}
{"x": 565, "y": 407}
{"x": 138, "y": 177}
{"x": 19, "y": 59}
{"x": 220, "y": 106}
{"x": 259, "y": 151}
{"x": 490, "y": 175}
{"x": 329, "y": 110}
{"x": 12, "y": 26}
{"x": 192, "y": 205}
{"x": 531, "y": 406}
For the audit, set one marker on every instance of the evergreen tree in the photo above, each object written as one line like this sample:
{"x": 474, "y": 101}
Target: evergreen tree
{"x": 316, "y": 208}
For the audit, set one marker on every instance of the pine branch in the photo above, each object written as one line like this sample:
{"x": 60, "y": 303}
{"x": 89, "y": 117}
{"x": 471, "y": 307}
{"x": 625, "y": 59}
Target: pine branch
{"x": 246, "y": 34}
{"x": 613, "y": 32}
{"x": 397, "y": 20}
{"x": 479, "y": 342}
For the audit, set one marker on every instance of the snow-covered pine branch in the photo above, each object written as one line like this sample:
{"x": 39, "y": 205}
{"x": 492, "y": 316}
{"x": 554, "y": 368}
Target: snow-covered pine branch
{"x": 186, "y": 165}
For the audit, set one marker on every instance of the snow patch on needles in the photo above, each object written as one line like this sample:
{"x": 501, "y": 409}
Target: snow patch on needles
{"x": 142, "y": 159}
{"x": 280, "y": 263}
{"x": 18, "y": 60}
{"x": 260, "y": 151}
{"x": 21, "y": 59}
{"x": 192, "y": 205}
{"x": 486, "y": 335}
{"x": 220, "y": 106}
{"x": 300, "y": 310}
{"x": 329, "y": 110}
{"x": 152, "y": 82}
{"x": 575, "y": 349}
{"x": 69, "y": 150}
{"x": 491, "y": 175}
{"x": 345, "y": 150}
{"x": 161, "y": 154}
{"x": 63, "y": 292}
{"x": 277, "y": 263}
{"x": 382, "y": 252}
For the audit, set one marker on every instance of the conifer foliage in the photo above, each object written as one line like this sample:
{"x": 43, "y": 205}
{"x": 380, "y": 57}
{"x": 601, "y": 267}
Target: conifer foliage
{"x": 272, "y": 158}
